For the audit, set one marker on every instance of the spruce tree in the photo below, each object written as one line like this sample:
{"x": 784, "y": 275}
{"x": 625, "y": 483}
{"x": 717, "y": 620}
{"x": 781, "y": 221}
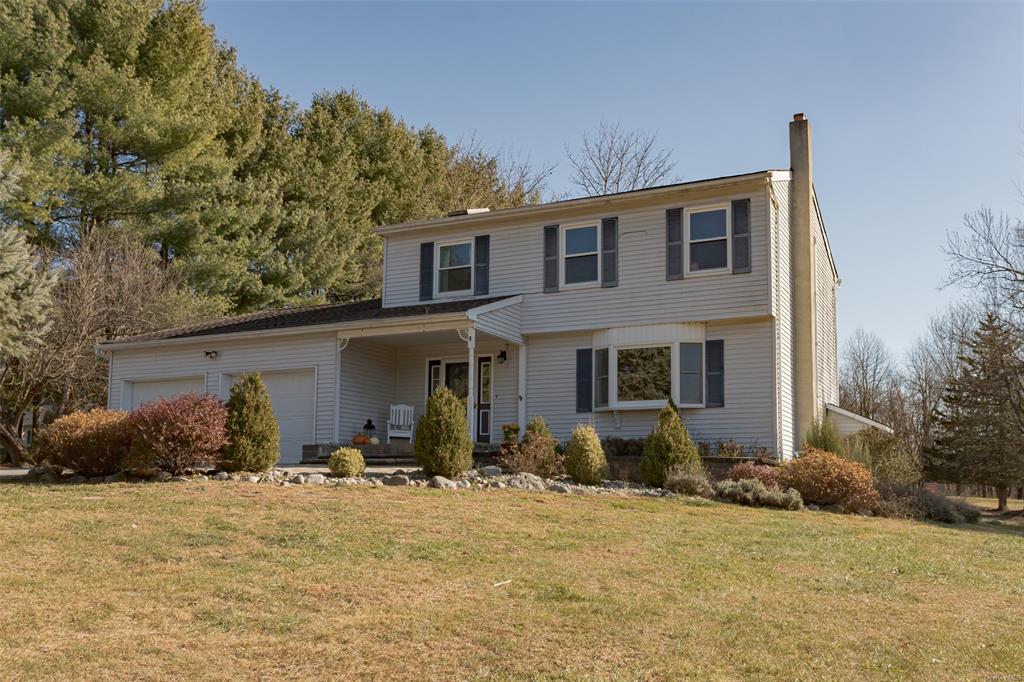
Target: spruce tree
{"x": 980, "y": 423}
{"x": 252, "y": 430}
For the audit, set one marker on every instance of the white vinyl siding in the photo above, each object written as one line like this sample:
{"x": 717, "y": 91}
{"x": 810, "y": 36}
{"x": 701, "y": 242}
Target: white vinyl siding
{"x": 783, "y": 308}
{"x": 748, "y": 415}
{"x": 825, "y": 317}
{"x": 502, "y": 322}
{"x": 147, "y": 391}
{"x": 367, "y": 387}
{"x": 643, "y": 296}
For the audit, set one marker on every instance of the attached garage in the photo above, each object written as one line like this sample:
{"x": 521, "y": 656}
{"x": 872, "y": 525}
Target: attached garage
{"x": 292, "y": 395}
{"x": 146, "y": 391}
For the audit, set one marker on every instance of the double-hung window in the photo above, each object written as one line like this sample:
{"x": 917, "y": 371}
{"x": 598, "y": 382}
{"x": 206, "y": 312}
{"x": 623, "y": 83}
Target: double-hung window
{"x": 455, "y": 268}
{"x": 691, "y": 374}
{"x": 707, "y": 239}
{"x": 580, "y": 257}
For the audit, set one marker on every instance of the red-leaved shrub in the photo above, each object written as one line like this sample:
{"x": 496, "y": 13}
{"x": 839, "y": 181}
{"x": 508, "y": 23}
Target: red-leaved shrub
{"x": 769, "y": 476}
{"x": 92, "y": 443}
{"x": 825, "y": 478}
{"x": 179, "y": 434}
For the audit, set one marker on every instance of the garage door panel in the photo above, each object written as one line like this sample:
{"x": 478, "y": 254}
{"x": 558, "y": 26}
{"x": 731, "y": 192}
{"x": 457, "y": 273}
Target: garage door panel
{"x": 148, "y": 391}
{"x": 291, "y": 395}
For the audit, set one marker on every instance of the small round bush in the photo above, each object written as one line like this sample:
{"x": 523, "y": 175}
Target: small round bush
{"x": 252, "y": 430}
{"x": 668, "y": 447}
{"x": 824, "y": 478}
{"x": 346, "y": 463}
{"x": 768, "y": 475}
{"x": 178, "y": 435}
{"x": 685, "y": 482}
{"x": 442, "y": 443}
{"x": 584, "y": 457}
{"x": 92, "y": 443}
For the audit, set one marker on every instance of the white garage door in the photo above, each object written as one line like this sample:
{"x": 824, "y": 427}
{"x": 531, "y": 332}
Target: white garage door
{"x": 291, "y": 393}
{"x": 145, "y": 391}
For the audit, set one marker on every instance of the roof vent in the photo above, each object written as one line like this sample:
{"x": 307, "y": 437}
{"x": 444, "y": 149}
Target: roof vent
{"x": 468, "y": 211}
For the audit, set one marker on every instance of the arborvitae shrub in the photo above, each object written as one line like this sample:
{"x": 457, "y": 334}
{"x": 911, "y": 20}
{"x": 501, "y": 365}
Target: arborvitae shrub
{"x": 178, "y": 435}
{"x": 822, "y": 435}
{"x": 584, "y": 457}
{"x": 92, "y": 443}
{"x": 826, "y": 478}
{"x": 347, "y": 463}
{"x": 769, "y": 476}
{"x": 442, "y": 443}
{"x": 537, "y": 454}
{"x": 668, "y": 447}
{"x": 753, "y": 493}
{"x": 252, "y": 431}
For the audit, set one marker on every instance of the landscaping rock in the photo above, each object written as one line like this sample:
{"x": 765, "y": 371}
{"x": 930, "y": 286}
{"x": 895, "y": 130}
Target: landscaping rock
{"x": 116, "y": 477}
{"x": 49, "y": 477}
{"x": 297, "y": 479}
{"x": 77, "y": 479}
{"x": 811, "y": 507}
{"x": 396, "y": 479}
{"x": 251, "y": 479}
{"x": 491, "y": 470}
{"x": 464, "y": 484}
{"x": 442, "y": 482}
{"x": 315, "y": 479}
{"x": 221, "y": 476}
{"x": 559, "y": 488}
{"x": 177, "y": 479}
{"x": 161, "y": 476}
{"x": 526, "y": 482}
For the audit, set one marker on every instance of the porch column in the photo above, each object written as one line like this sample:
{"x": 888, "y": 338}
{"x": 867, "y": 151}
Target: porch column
{"x": 469, "y": 336}
{"x": 342, "y": 345}
{"x": 521, "y": 363}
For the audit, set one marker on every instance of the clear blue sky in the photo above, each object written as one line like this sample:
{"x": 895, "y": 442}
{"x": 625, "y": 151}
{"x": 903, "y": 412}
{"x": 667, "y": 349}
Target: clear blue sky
{"x": 917, "y": 109}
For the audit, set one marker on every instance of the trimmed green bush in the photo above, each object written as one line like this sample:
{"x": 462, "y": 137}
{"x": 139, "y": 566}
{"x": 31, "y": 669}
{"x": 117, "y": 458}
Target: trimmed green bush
{"x": 346, "y": 463}
{"x": 253, "y": 434}
{"x": 584, "y": 457}
{"x": 822, "y": 435}
{"x": 682, "y": 481}
{"x": 668, "y": 447}
{"x": 752, "y": 493}
{"x": 442, "y": 443}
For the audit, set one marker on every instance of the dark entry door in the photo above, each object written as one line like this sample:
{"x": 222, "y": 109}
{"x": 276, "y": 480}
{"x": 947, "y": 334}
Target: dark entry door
{"x": 456, "y": 377}
{"x": 484, "y": 388}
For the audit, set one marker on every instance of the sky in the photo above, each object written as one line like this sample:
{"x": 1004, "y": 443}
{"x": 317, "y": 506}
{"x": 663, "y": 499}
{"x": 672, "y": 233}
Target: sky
{"x": 917, "y": 109}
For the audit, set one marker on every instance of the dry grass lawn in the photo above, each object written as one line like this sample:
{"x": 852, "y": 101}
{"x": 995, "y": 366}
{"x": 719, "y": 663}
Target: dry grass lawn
{"x": 221, "y": 581}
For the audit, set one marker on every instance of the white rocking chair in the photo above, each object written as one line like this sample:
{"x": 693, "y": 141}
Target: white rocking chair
{"x": 400, "y": 423}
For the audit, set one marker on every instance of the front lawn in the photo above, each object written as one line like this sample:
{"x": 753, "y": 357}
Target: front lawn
{"x": 237, "y": 581}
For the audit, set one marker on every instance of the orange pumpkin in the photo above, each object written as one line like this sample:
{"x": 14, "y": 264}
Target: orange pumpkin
{"x": 360, "y": 439}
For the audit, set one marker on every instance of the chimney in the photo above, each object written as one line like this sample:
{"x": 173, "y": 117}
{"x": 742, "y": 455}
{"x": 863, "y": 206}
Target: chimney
{"x": 805, "y": 365}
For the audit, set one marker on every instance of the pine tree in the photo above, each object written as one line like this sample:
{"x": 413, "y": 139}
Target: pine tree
{"x": 980, "y": 422}
{"x": 252, "y": 430}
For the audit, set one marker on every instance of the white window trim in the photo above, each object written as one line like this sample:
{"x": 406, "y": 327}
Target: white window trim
{"x": 562, "y": 256}
{"x": 437, "y": 267}
{"x": 687, "y": 212}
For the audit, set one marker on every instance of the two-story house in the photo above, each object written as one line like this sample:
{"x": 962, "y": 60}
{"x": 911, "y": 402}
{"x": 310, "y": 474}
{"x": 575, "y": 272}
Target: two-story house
{"x": 718, "y": 293}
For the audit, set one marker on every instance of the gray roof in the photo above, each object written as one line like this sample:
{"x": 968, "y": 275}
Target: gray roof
{"x": 307, "y": 316}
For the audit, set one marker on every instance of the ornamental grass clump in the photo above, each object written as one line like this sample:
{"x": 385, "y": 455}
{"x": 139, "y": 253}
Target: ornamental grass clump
{"x": 828, "y": 479}
{"x": 347, "y": 463}
{"x": 753, "y": 493}
{"x": 92, "y": 443}
{"x": 252, "y": 430}
{"x": 178, "y": 435}
{"x": 584, "y": 457}
{"x": 668, "y": 447}
{"x": 442, "y": 443}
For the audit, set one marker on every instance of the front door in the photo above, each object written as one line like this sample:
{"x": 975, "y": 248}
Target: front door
{"x": 483, "y": 400}
{"x": 455, "y": 376}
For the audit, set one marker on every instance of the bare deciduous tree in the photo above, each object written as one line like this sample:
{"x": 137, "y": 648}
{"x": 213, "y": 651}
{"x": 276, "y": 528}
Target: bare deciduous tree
{"x": 866, "y": 374}
{"x": 611, "y": 160}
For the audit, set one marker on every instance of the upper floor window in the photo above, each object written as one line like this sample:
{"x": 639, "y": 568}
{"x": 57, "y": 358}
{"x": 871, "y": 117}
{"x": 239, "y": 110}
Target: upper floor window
{"x": 455, "y": 267}
{"x": 580, "y": 255}
{"x": 707, "y": 239}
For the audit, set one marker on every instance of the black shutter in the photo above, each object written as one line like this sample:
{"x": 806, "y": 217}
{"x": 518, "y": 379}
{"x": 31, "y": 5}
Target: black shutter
{"x": 426, "y": 271}
{"x": 610, "y": 252}
{"x": 584, "y": 380}
{"x": 550, "y": 258}
{"x": 481, "y": 265}
{"x": 715, "y": 377}
{"x": 741, "y": 236}
{"x": 674, "y": 243}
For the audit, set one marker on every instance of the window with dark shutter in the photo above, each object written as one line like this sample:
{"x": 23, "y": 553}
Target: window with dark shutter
{"x": 481, "y": 265}
{"x": 674, "y": 243}
{"x": 715, "y": 373}
{"x": 584, "y": 380}
{"x": 426, "y": 271}
{"x": 741, "y": 236}
{"x": 610, "y": 252}
{"x": 601, "y": 377}
{"x": 550, "y": 258}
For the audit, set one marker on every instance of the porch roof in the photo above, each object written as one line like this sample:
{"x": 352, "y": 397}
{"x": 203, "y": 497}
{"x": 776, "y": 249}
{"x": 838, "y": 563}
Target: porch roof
{"x": 306, "y": 316}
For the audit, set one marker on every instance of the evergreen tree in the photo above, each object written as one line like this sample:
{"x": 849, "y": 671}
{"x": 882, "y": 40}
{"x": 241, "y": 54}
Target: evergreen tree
{"x": 669, "y": 448}
{"x": 980, "y": 421}
{"x": 252, "y": 430}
